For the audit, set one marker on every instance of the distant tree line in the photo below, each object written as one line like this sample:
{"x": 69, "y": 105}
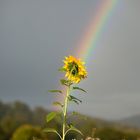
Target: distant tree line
{"x": 19, "y": 122}
{"x": 14, "y": 115}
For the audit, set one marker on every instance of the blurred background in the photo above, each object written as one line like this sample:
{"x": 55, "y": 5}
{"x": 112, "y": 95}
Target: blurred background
{"x": 34, "y": 38}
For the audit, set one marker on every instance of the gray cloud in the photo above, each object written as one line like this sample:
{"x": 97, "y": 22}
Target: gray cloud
{"x": 36, "y": 35}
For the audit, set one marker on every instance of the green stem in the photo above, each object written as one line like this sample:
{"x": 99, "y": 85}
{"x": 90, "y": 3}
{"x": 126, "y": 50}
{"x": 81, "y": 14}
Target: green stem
{"x": 65, "y": 113}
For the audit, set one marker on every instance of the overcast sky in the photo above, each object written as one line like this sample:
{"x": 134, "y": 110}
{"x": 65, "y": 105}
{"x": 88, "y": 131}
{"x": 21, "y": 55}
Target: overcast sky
{"x": 36, "y": 35}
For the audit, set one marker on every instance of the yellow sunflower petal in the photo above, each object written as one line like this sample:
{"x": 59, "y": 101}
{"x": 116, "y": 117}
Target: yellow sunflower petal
{"x": 75, "y": 69}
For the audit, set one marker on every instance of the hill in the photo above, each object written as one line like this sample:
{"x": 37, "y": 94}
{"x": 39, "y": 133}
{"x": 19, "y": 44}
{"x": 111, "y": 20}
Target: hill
{"x": 133, "y": 121}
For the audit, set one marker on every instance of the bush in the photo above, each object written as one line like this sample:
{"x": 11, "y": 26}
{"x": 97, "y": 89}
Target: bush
{"x": 27, "y": 132}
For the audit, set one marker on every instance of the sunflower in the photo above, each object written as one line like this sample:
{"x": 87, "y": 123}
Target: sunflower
{"x": 75, "y": 69}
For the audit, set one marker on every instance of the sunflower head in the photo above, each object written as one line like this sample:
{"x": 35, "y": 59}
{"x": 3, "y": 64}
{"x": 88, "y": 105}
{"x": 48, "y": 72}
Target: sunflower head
{"x": 75, "y": 69}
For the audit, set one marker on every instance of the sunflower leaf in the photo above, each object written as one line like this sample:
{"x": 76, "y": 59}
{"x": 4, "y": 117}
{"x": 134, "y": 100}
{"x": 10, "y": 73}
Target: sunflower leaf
{"x": 74, "y": 99}
{"x": 77, "y": 88}
{"x": 51, "y": 116}
{"x": 55, "y": 91}
{"x": 58, "y": 104}
{"x": 76, "y": 130}
{"x": 65, "y": 82}
{"x": 52, "y": 130}
{"x": 62, "y": 69}
{"x": 72, "y": 128}
{"x": 49, "y": 130}
{"x": 70, "y": 124}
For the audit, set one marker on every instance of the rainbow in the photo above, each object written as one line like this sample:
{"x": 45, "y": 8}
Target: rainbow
{"x": 92, "y": 34}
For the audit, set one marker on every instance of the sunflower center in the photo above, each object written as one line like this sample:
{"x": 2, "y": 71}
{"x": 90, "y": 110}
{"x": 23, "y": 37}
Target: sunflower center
{"x": 73, "y": 68}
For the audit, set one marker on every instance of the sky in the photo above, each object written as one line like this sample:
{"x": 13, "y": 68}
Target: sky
{"x": 36, "y": 35}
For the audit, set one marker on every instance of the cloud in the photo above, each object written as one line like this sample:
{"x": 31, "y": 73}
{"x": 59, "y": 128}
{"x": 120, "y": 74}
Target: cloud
{"x": 36, "y": 35}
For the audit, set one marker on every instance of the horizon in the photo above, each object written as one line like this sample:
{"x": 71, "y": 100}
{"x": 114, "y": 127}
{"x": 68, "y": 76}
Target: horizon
{"x": 32, "y": 108}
